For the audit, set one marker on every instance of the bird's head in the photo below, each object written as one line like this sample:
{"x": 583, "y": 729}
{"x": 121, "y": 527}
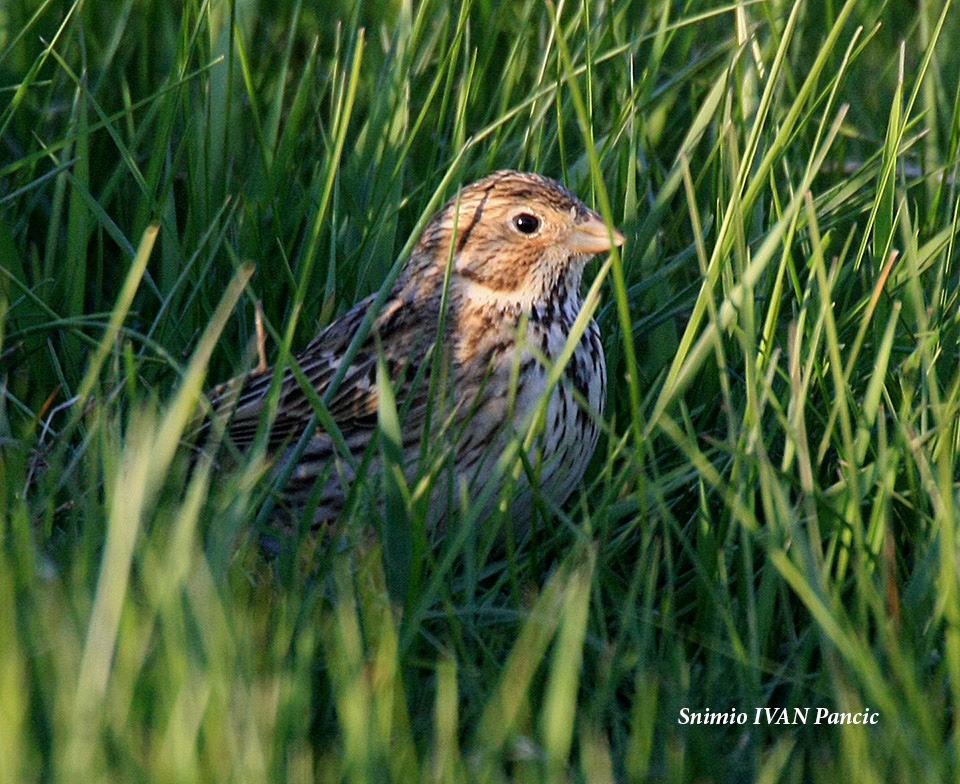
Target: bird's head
{"x": 516, "y": 236}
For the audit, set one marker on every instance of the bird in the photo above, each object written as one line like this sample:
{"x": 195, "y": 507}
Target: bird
{"x": 489, "y": 294}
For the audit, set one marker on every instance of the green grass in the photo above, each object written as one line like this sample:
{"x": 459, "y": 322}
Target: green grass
{"x": 770, "y": 520}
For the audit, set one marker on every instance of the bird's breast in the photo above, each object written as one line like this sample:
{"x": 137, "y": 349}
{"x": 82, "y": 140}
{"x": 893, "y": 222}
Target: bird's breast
{"x": 509, "y": 366}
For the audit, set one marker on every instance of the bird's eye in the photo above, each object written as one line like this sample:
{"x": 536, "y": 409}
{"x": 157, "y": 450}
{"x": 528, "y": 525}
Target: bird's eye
{"x": 526, "y": 223}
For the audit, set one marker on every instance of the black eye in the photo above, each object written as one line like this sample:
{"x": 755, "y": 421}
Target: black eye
{"x": 526, "y": 223}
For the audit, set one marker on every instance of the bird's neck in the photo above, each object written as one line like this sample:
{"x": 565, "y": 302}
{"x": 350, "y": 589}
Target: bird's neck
{"x": 544, "y": 294}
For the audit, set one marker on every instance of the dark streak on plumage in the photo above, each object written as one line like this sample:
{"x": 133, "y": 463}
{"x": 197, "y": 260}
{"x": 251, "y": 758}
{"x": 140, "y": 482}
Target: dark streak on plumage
{"x": 477, "y": 213}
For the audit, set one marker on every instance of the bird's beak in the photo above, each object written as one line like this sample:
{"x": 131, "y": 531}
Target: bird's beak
{"x": 593, "y": 236}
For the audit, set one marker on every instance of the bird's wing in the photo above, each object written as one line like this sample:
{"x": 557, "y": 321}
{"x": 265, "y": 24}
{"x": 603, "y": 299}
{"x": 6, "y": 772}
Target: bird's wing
{"x": 354, "y": 405}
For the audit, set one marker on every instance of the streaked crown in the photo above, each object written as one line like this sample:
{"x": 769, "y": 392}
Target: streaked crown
{"x": 517, "y": 234}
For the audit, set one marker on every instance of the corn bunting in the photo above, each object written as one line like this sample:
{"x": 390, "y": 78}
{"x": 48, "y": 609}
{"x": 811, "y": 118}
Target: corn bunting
{"x": 519, "y": 245}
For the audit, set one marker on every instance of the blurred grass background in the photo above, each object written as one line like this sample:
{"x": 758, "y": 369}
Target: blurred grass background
{"x": 770, "y": 520}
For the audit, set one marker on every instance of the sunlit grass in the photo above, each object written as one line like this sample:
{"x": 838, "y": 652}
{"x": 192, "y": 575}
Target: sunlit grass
{"x": 768, "y": 522}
